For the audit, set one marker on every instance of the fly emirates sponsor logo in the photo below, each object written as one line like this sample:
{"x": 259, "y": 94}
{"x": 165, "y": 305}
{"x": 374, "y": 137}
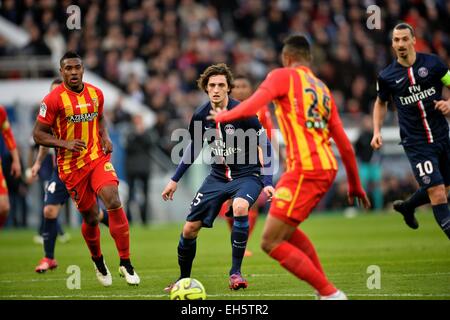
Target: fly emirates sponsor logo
{"x": 417, "y": 94}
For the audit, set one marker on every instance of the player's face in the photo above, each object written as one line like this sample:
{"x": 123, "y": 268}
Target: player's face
{"x": 72, "y": 73}
{"x": 242, "y": 89}
{"x": 217, "y": 89}
{"x": 403, "y": 43}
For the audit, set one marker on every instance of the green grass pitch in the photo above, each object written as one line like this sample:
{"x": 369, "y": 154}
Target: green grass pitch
{"x": 414, "y": 264}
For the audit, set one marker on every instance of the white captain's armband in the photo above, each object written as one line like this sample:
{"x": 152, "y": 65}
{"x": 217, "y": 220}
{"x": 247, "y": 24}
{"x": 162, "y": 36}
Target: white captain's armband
{"x": 446, "y": 79}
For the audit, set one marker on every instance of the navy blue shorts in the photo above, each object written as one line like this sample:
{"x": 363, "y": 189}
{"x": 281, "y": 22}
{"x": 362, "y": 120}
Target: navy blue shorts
{"x": 214, "y": 192}
{"x": 430, "y": 163}
{"x": 55, "y": 191}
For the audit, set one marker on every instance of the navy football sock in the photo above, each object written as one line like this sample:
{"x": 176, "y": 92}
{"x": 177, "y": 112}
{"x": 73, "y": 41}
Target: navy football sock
{"x": 59, "y": 228}
{"x": 442, "y": 215}
{"x": 49, "y": 234}
{"x": 419, "y": 198}
{"x": 239, "y": 237}
{"x": 186, "y": 255}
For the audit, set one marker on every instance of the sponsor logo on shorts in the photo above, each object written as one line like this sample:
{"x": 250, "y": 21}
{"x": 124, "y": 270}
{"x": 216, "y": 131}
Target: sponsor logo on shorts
{"x": 280, "y": 204}
{"x": 284, "y": 194}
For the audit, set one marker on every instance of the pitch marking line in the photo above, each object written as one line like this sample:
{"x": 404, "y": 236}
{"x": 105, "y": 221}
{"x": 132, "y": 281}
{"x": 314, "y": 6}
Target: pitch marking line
{"x": 222, "y": 295}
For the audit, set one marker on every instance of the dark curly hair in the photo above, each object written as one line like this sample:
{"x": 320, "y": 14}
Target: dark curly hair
{"x": 214, "y": 70}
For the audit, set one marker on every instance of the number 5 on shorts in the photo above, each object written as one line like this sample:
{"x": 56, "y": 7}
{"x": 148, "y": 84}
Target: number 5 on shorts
{"x": 197, "y": 199}
{"x": 425, "y": 168}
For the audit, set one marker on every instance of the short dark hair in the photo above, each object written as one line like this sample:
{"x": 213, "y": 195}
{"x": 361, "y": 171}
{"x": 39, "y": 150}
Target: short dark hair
{"x": 240, "y": 76}
{"x": 403, "y": 26}
{"x": 69, "y": 55}
{"x": 56, "y": 81}
{"x": 214, "y": 70}
{"x": 298, "y": 47}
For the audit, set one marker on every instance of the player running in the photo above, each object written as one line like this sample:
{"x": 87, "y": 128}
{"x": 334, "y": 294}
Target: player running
{"x": 415, "y": 81}
{"x": 308, "y": 117}
{"x": 233, "y": 173}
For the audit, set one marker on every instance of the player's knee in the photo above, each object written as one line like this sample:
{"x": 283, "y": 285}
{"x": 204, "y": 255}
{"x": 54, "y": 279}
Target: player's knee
{"x": 437, "y": 194}
{"x": 112, "y": 201}
{"x": 190, "y": 230}
{"x": 267, "y": 244}
{"x": 240, "y": 207}
{"x": 50, "y": 212}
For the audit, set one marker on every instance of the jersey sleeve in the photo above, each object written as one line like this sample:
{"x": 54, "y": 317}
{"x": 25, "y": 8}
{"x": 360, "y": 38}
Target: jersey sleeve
{"x": 6, "y": 130}
{"x": 440, "y": 67}
{"x": 267, "y": 153}
{"x": 101, "y": 102}
{"x": 47, "y": 110}
{"x": 382, "y": 89}
{"x": 276, "y": 84}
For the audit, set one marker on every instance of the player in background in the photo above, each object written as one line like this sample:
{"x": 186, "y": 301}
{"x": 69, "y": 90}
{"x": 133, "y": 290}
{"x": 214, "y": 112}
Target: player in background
{"x": 308, "y": 117}
{"x": 16, "y": 169}
{"x": 233, "y": 174}
{"x": 71, "y": 120}
{"x": 242, "y": 90}
{"x": 55, "y": 196}
{"x": 415, "y": 81}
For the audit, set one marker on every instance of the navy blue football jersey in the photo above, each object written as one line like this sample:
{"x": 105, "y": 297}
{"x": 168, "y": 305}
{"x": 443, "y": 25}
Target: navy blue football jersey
{"x": 233, "y": 145}
{"x": 413, "y": 90}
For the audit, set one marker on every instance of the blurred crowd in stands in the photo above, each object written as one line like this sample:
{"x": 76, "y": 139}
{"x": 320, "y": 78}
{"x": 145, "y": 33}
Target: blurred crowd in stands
{"x": 154, "y": 50}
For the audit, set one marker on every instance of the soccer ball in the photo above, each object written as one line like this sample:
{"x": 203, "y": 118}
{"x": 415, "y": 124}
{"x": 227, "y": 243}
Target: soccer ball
{"x": 188, "y": 289}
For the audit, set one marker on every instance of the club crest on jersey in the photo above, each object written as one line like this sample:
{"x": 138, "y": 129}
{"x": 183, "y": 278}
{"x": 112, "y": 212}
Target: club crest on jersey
{"x": 423, "y": 72}
{"x": 229, "y": 129}
{"x": 43, "y": 109}
{"x": 109, "y": 167}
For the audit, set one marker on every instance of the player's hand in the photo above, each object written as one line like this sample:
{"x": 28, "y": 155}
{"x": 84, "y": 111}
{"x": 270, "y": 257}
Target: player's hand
{"x": 443, "y": 106}
{"x": 76, "y": 145}
{"x": 169, "y": 190}
{"x": 16, "y": 169}
{"x": 35, "y": 169}
{"x": 377, "y": 141}
{"x": 214, "y": 112}
{"x": 361, "y": 199}
{"x": 107, "y": 145}
{"x": 269, "y": 191}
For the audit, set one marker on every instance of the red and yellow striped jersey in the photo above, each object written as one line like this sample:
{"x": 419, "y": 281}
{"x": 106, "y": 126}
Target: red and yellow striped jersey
{"x": 307, "y": 116}
{"x": 305, "y": 110}
{"x": 72, "y": 116}
{"x": 6, "y": 130}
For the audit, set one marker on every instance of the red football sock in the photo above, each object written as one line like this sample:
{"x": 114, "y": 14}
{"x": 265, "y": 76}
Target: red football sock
{"x": 298, "y": 263}
{"x": 301, "y": 241}
{"x": 252, "y": 217}
{"x": 91, "y": 235}
{"x": 120, "y": 231}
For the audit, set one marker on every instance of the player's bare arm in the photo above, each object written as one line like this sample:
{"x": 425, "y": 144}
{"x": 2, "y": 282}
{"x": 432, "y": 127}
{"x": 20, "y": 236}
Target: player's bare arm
{"x": 42, "y": 153}
{"x": 16, "y": 168}
{"x": 42, "y": 135}
{"x": 379, "y": 112}
{"x": 105, "y": 139}
{"x": 169, "y": 190}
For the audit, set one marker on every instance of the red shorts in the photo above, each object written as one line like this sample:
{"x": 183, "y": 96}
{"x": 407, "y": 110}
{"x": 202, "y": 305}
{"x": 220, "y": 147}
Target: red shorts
{"x": 85, "y": 183}
{"x": 3, "y": 186}
{"x": 296, "y": 195}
